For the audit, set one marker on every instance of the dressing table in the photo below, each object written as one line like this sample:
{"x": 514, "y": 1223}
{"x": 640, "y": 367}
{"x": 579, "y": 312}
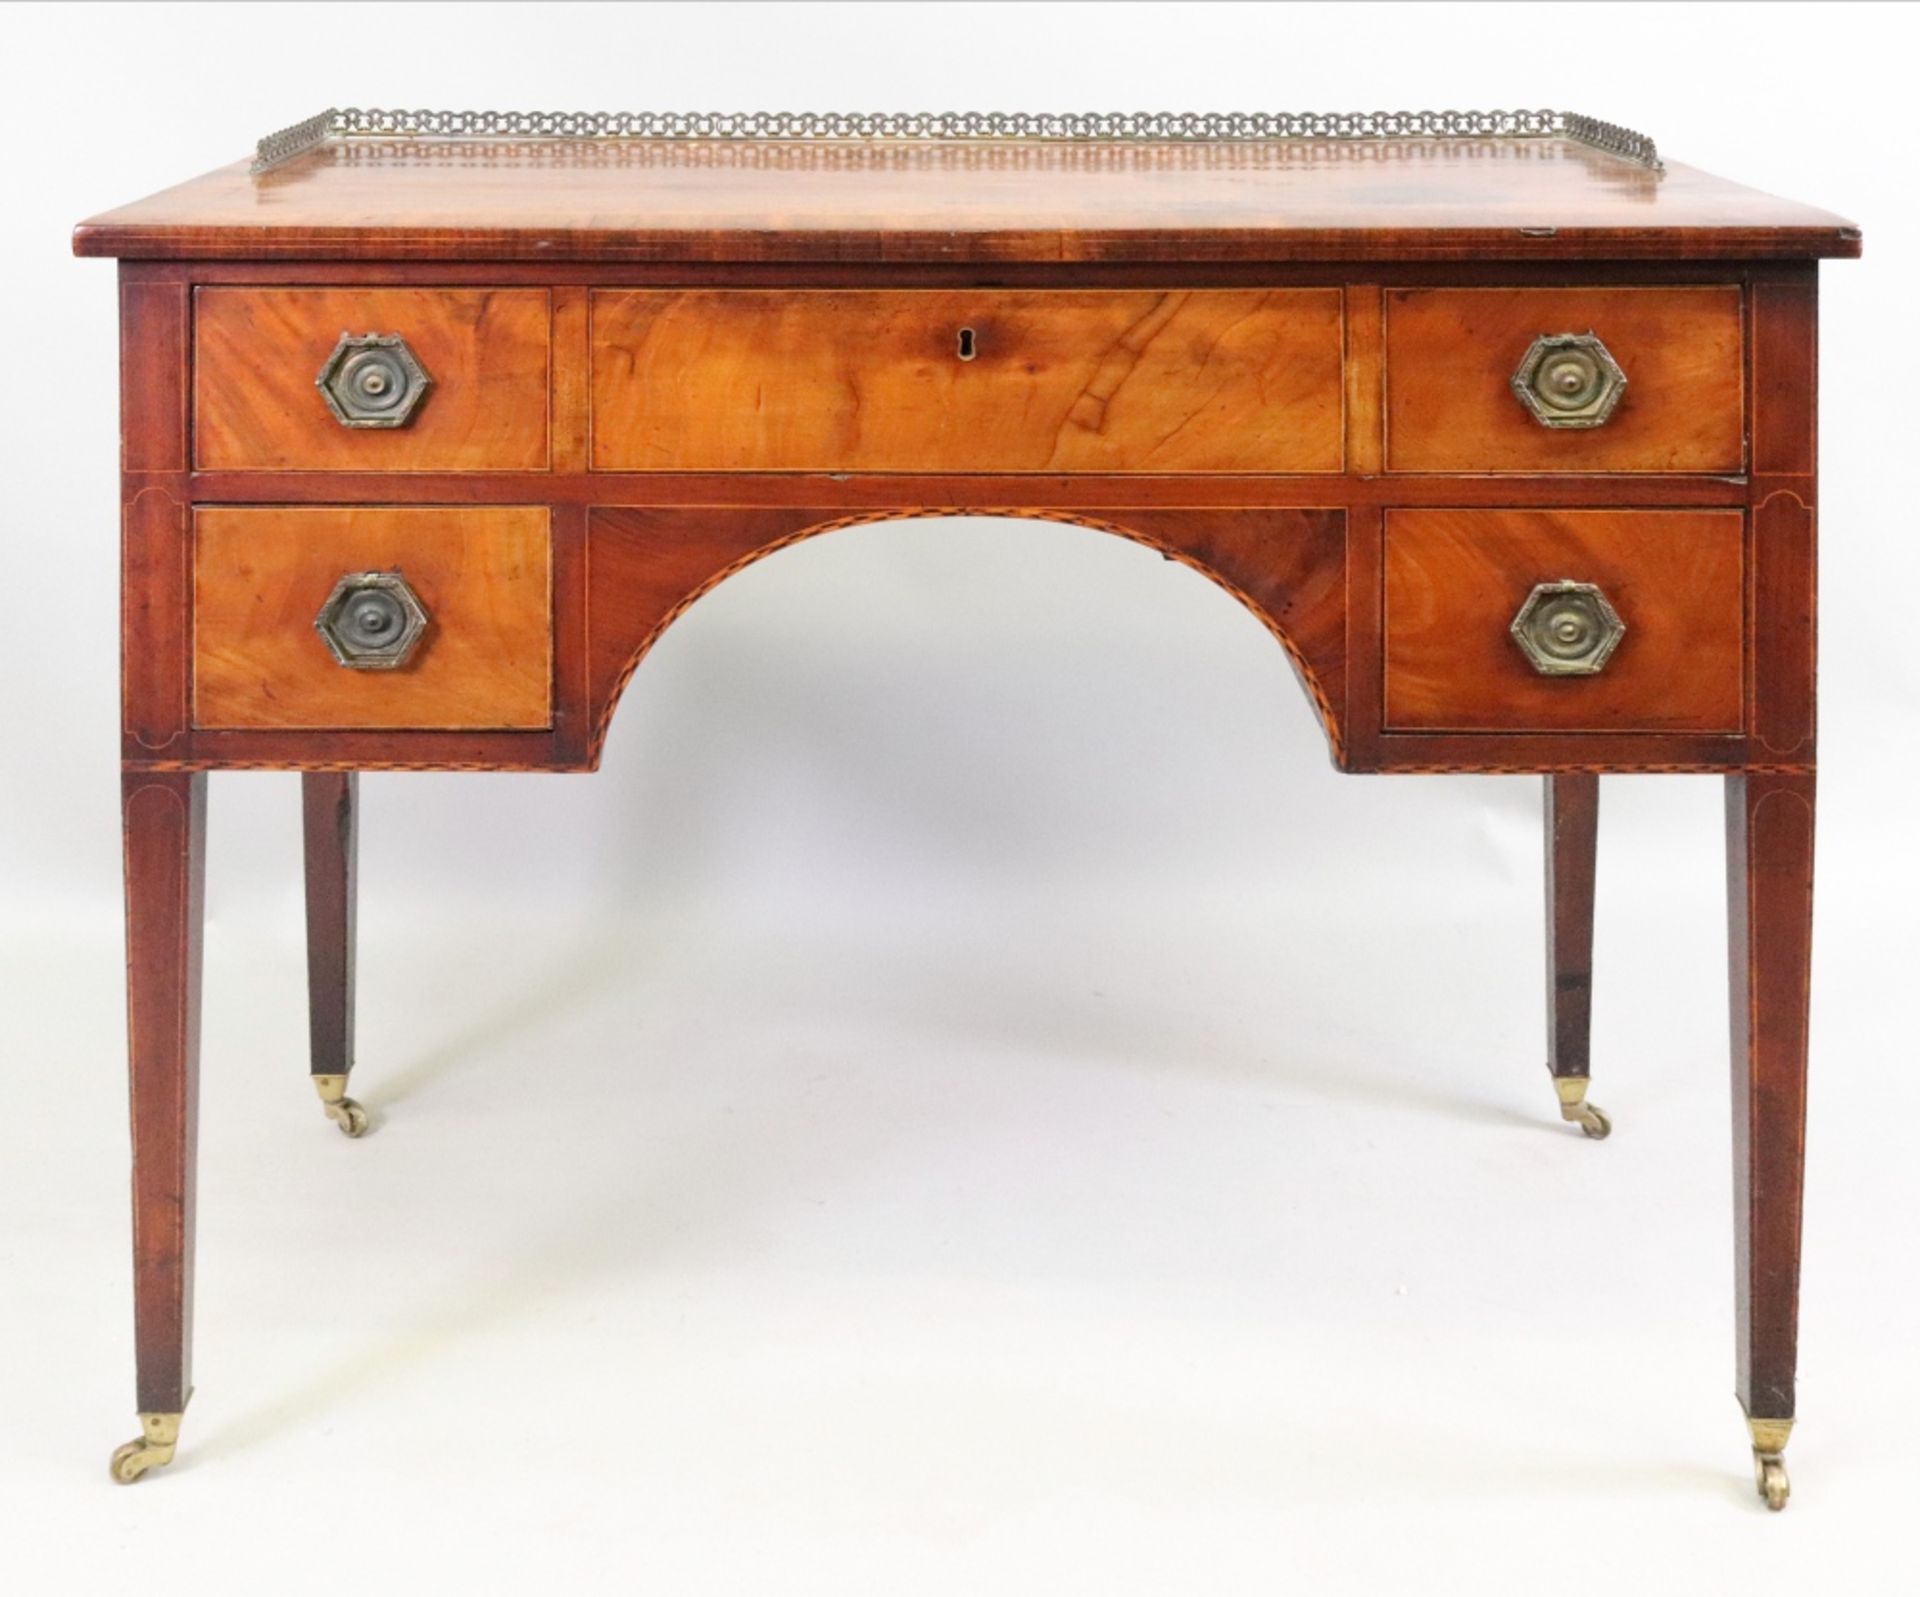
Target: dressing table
{"x": 432, "y": 422}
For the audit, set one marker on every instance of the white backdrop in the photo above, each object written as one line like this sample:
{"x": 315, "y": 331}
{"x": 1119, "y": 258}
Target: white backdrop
{"x": 967, "y": 1098}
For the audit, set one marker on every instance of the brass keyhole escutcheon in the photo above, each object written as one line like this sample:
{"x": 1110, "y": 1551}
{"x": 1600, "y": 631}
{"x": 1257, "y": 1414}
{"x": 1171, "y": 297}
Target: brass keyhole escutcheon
{"x": 967, "y": 346}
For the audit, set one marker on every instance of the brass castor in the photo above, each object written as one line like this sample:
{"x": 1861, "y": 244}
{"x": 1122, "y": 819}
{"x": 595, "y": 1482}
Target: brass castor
{"x": 1770, "y": 1478}
{"x": 1769, "y": 1468}
{"x": 1574, "y": 1107}
{"x": 159, "y": 1435}
{"x": 343, "y": 1111}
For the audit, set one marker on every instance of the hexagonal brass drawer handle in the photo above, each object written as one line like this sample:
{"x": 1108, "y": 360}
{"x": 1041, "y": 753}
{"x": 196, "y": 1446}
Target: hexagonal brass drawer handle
{"x": 1569, "y": 380}
{"x": 1567, "y": 629}
{"x": 372, "y": 621}
{"x": 373, "y": 380}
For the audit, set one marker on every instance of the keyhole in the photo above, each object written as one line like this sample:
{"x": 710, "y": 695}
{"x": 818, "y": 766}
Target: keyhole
{"x": 967, "y": 349}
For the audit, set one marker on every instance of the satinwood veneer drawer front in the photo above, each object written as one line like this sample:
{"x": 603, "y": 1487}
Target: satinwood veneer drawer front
{"x": 967, "y": 381}
{"x": 381, "y": 618}
{"x": 1565, "y": 621}
{"x": 1564, "y": 379}
{"x": 415, "y": 379}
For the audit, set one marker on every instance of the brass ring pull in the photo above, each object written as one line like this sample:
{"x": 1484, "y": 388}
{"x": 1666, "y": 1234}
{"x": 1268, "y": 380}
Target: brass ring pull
{"x": 373, "y": 380}
{"x": 1569, "y": 380}
{"x": 372, "y": 621}
{"x": 1567, "y": 629}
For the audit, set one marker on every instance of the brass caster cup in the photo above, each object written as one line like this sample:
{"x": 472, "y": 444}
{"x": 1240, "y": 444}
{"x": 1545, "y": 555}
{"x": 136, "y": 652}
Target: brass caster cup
{"x": 343, "y": 1111}
{"x": 159, "y": 1435}
{"x": 1575, "y": 1108}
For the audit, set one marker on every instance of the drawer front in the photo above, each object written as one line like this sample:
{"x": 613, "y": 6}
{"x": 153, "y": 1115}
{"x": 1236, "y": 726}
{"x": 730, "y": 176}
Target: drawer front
{"x": 481, "y": 578}
{"x": 967, "y": 381}
{"x": 480, "y": 356}
{"x": 1453, "y": 354}
{"x": 1457, "y": 581}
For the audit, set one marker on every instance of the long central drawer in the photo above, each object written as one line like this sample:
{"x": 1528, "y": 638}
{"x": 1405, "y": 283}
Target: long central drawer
{"x": 967, "y": 380}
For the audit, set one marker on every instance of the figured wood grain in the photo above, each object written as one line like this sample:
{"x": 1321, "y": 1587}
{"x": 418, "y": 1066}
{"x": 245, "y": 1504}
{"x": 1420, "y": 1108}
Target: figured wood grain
{"x": 1456, "y": 199}
{"x": 1455, "y": 579}
{"x": 261, "y": 575}
{"x": 570, "y": 372}
{"x": 257, "y": 352}
{"x": 1366, "y": 377}
{"x": 976, "y": 380}
{"x": 1451, "y": 355}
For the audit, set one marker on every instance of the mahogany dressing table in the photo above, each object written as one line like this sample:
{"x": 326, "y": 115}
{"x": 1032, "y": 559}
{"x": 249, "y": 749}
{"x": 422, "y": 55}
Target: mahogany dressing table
{"x": 432, "y": 422}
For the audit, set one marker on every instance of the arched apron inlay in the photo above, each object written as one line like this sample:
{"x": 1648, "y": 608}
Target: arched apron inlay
{"x": 647, "y": 565}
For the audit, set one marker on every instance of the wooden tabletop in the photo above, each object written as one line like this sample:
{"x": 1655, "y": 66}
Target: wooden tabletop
{"x": 851, "y": 201}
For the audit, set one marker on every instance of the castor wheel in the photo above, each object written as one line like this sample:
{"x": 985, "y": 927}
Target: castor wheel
{"x": 344, "y": 1112}
{"x": 352, "y": 1119}
{"x": 1770, "y": 1480}
{"x": 1769, "y": 1468}
{"x": 1575, "y": 1109}
{"x": 159, "y": 1435}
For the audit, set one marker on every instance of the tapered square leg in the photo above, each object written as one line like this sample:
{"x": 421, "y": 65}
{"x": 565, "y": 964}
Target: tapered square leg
{"x": 328, "y": 803}
{"x": 1770, "y": 950}
{"x": 164, "y": 823}
{"x": 1572, "y": 833}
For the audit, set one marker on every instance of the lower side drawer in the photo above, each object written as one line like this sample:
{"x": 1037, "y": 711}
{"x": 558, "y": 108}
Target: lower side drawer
{"x": 1564, "y": 621}
{"x": 436, "y": 619}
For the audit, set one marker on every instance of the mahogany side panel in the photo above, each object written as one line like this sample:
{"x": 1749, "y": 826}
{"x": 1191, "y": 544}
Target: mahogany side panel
{"x": 1785, "y": 585}
{"x": 154, "y": 545}
{"x": 650, "y": 564}
{"x": 1572, "y": 837}
{"x": 1785, "y": 377}
{"x": 1770, "y": 822}
{"x": 895, "y": 380}
{"x": 1783, "y": 665}
{"x": 155, "y": 587}
{"x": 164, "y": 820}
{"x": 153, "y": 366}
{"x": 329, "y": 809}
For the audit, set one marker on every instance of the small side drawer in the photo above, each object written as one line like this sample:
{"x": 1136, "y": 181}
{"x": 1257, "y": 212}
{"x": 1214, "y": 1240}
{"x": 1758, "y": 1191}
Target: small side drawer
{"x": 1669, "y": 583}
{"x": 1453, "y": 355}
{"x": 973, "y": 380}
{"x": 481, "y": 578}
{"x": 478, "y": 357}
